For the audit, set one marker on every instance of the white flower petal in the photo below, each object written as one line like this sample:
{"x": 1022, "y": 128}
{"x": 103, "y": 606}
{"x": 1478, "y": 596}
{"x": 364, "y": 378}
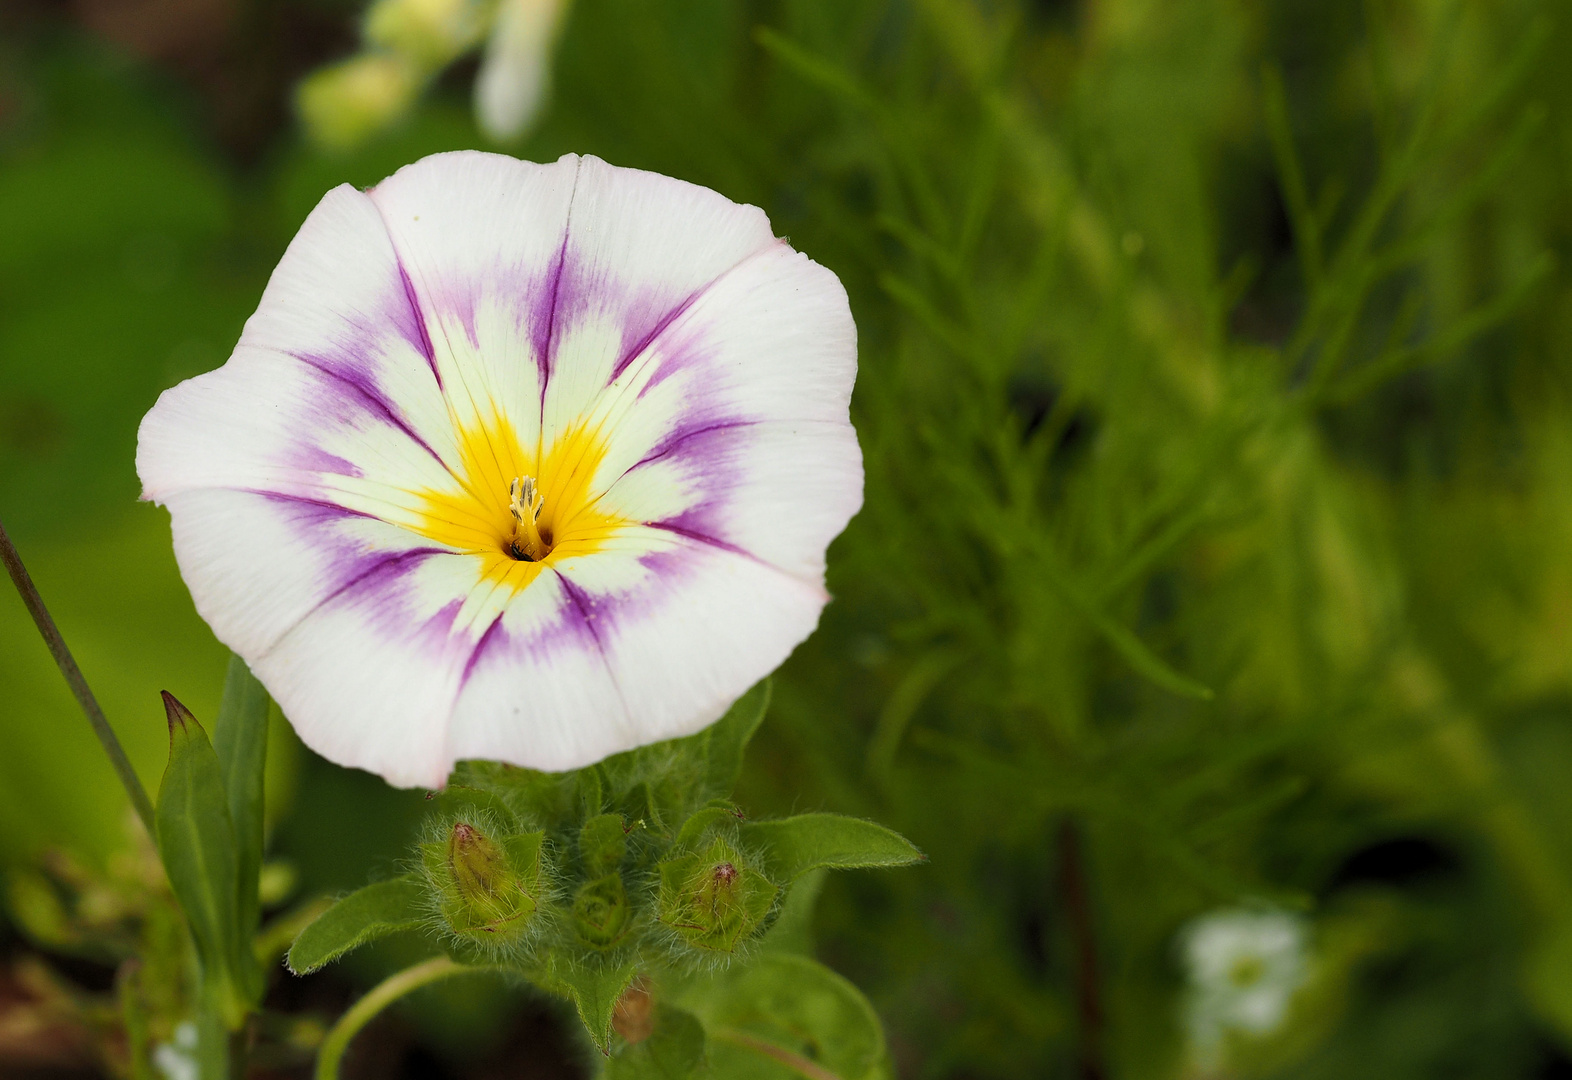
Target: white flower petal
{"x": 369, "y": 678}
{"x": 480, "y": 237}
{"x": 641, "y": 248}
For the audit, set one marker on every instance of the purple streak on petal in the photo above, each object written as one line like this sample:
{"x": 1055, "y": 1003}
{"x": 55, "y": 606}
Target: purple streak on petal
{"x": 678, "y": 527}
{"x": 494, "y": 633}
{"x": 423, "y": 340}
{"x": 370, "y": 396}
{"x": 312, "y": 459}
{"x": 584, "y": 605}
{"x": 388, "y": 566}
{"x": 677, "y": 439}
{"x": 633, "y": 347}
{"x": 546, "y": 329}
{"x": 324, "y": 508}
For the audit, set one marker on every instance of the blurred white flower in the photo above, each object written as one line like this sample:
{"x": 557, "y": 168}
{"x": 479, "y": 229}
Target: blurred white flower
{"x": 516, "y": 70}
{"x": 1244, "y": 967}
{"x": 408, "y": 42}
{"x": 177, "y": 1059}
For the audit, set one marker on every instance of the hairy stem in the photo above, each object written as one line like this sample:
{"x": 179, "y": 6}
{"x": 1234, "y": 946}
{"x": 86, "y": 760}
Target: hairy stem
{"x": 73, "y": 677}
{"x": 380, "y": 997}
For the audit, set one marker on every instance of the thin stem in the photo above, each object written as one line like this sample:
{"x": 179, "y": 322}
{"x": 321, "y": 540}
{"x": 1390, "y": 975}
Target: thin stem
{"x": 73, "y": 677}
{"x": 1078, "y": 909}
{"x": 380, "y": 997}
{"x": 795, "y": 1062}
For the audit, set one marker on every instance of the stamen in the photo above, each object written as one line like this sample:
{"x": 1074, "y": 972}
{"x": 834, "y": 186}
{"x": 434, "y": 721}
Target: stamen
{"x": 524, "y": 498}
{"x": 525, "y": 501}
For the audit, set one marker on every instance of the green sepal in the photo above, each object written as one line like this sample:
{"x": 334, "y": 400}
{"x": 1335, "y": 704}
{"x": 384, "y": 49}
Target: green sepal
{"x": 793, "y": 846}
{"x": 696, "y": 828}
{"x": 366, "y": 914}
{"x": 603, "y": 841}
{"x": 602, "y": 915}
{"x": 475, "y": 804}
{"x": 196, "y": 841}
{"x": 780, "y": 1007}
{"x": 240, "y": 741}
{"x": 674, "y": 1050}
{"x": 713, "y": 899}
{"x": 593, "y": 989}
{"x": 538, "y": 798}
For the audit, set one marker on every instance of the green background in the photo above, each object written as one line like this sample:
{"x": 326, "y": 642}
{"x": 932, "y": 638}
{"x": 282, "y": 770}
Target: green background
{"x": 1216, "y": 395}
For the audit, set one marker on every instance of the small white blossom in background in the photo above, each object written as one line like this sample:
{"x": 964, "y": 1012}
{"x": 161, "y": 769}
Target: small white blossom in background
{"x": 177, "y": 1059}
{"x": 409, "y": 42}
{"x": 1243, "y": 967}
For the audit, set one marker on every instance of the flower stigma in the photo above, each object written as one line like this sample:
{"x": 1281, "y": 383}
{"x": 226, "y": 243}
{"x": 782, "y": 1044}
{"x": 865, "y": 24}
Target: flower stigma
{"x": 525, "y": 501}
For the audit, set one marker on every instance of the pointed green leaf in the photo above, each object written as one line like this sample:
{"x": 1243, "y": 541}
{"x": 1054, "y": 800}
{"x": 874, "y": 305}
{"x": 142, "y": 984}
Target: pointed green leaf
{"x": 785, "y": 1017}
{"x": 196, "y": 842}
{"x": 593, "y": 989}
{"x": 728, "y": 738}
{"x": 674, "y": 1049}
{"x": 240, "y": 741}
{"x": 364, "y": 915}
{"x": 793, "y": 846}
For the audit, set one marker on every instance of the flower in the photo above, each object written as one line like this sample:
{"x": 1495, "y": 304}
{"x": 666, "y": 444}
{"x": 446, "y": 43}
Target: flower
{"x": 516, "y": 68}
{"x": 343, "y": 105}
{"x": 534, "y": 463}
{"x": 1244, "y": 967}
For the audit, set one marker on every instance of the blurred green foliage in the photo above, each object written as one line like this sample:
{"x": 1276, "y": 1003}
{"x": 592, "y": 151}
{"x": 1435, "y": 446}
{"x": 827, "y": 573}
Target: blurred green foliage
{"x": 1216, "y": 394}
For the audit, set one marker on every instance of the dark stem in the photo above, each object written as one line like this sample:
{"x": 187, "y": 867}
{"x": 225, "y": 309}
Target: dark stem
{"x": 1078, "y": 912}
{"x": 73, "y": 677}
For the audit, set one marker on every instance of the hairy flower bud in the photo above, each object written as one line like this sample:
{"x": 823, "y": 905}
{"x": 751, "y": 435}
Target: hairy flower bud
{"x": 602, "y": 915}
{"x": 603, "y": 841}
{"x": 487, "y": 891}
{"x": 713, "y": 899}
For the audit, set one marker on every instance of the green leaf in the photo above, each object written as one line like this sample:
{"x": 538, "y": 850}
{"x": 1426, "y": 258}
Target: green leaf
{"x": 364, "y": 915}
{"x": 674, "y": 1049}
{"x": 728, "y": 737}
{"x": 792, "y": 931}
{"x": 197, "y": 844}
{"x": 240, "y": 741}
{"x": 786, "y": 1017}
{"x": 593, "y": 989}
{"x": 793, "y": 846}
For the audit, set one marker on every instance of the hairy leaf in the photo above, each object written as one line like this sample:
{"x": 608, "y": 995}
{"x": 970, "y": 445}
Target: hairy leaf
{"x": 785, "y": 1017}
{"x": 593, "y": 989}
{"x": 793, "y": 846}
{"x": 364, "y": 915}
{"x": 674, "y": 1050}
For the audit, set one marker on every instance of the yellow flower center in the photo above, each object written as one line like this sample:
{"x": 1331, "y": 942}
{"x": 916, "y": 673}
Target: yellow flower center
{"x": 519, "y": 510}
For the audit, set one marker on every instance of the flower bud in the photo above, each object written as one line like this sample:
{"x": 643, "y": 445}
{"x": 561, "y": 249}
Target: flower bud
{"x": 713, "y": 899}
{"x": 429, "y": 32}
{"x": 347, "y": 103}
{"x": 487, "y": 892}
{"x": 602, "y": 915}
